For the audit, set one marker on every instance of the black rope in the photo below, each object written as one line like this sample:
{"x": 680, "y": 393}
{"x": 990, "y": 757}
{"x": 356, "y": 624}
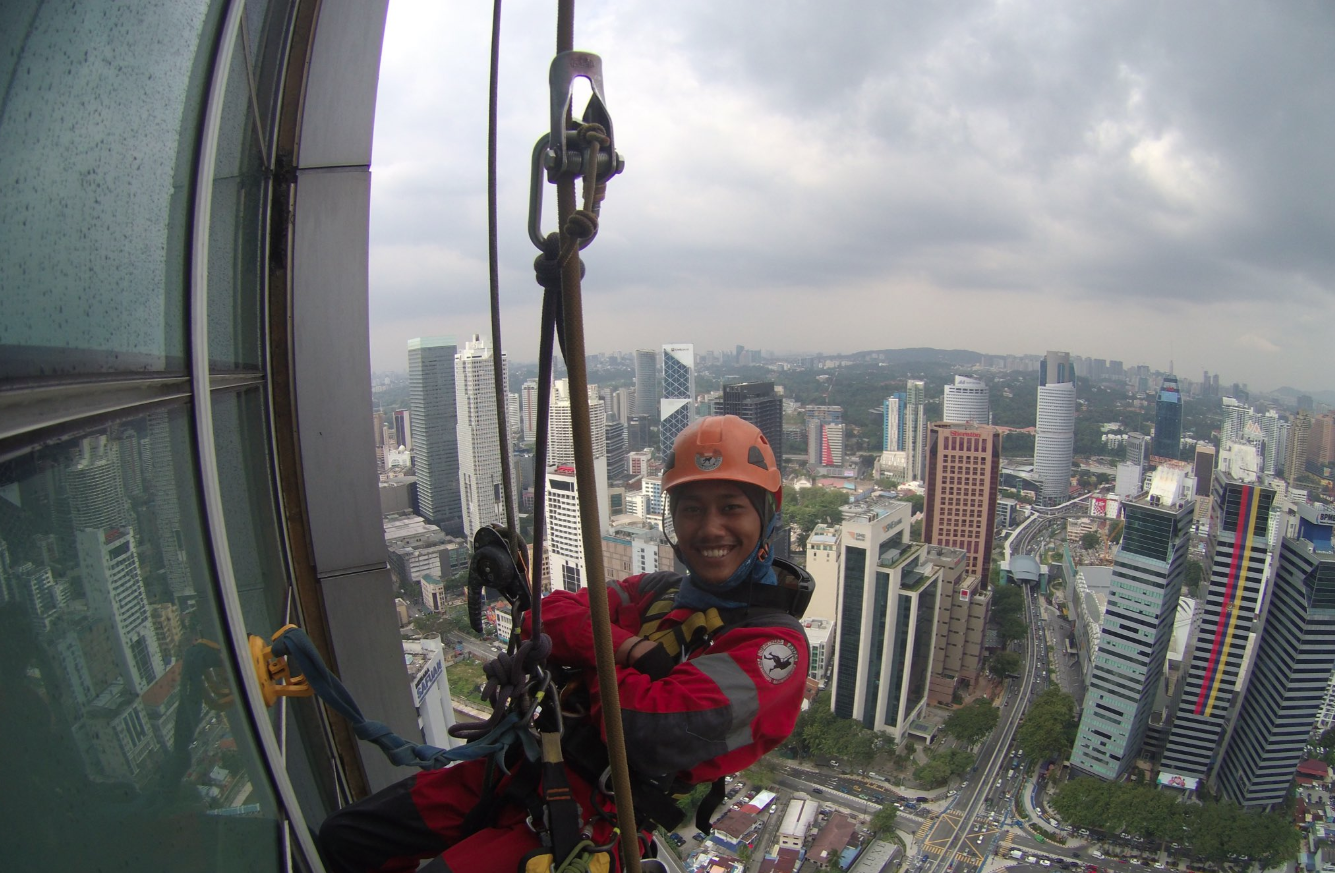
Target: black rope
{"x": 501, "y": 390}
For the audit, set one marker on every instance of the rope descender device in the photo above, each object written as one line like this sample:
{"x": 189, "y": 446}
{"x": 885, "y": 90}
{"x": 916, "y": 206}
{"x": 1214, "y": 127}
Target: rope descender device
{"x": 272, "y": 671}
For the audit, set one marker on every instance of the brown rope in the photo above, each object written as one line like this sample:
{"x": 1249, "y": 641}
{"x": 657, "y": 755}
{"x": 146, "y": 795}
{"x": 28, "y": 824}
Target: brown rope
{"x": 573, "y": 313}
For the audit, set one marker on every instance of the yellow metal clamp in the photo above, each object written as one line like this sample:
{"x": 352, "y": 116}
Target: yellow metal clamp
{"x": 272, "y": 671}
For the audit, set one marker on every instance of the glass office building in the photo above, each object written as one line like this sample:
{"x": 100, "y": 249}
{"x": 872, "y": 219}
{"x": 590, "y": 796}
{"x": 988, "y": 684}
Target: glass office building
{"x": 186, "y": 187}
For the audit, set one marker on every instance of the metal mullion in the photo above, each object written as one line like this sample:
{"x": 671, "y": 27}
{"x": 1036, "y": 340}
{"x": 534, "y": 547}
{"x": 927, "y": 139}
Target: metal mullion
{"x": 208, "y": 460}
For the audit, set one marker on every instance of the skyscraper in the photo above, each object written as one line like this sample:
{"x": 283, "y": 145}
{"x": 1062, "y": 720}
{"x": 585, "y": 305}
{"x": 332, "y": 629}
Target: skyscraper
{"x": 1295, "y": 459}
{"x": 758, "y": 403}
{"x": 1168, "y": 420}
{"x": 892, "y": 423}
{"x": 1137, "y": 628}
{"x": 561, "y": 442}
{"x": 528, "y": 410}
{"x": 915, "y": 429}
{"x": 1239, "y": 559}
{"x": 677, "y": 407}
{"x": 1055, "y": 368}
{"x": 482, "y": 486}
{"x": 565, "y": 565}
{"x": 967, "y": 400}
{"x": 1054, "y": 441}
{"x": 1293, "y": 664}
{"x": 963, "y": 474}
{"x": 434, "y": 426}
{"x": 115, "y": 589}
{"x": 646, "y": 382}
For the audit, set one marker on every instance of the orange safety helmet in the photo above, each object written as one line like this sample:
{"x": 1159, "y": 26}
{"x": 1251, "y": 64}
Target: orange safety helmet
{"x": 723, "y": 447}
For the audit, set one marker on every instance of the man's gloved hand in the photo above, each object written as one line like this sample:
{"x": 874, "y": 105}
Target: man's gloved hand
{"x": 653, "y": 661}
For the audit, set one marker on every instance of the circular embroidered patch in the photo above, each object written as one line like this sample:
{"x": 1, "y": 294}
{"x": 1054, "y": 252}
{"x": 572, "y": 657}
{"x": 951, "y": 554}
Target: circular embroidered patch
{"x": 778, "y": 660}
{"x": 708, "y": 461}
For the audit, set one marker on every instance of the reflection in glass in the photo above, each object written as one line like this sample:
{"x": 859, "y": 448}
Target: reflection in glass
{"x": 124, "y": 746}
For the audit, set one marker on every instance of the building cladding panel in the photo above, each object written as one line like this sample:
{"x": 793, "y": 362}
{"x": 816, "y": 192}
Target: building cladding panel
{"x": 1054, "y": 441}
{"x": 677, "y": 386}
{"x": 1238, "y": 565}
{"x": 967, "y": 400}
{"x": 1293, "y": 664}
{"x": 434, "y": 423}
{"x": 1133, "y": 643}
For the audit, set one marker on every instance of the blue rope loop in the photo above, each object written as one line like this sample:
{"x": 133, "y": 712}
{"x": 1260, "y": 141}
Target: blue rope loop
{"x": 492, "y": 737}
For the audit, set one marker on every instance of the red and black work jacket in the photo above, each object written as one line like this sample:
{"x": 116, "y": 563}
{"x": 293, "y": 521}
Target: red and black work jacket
{"x": 733, "y": 695}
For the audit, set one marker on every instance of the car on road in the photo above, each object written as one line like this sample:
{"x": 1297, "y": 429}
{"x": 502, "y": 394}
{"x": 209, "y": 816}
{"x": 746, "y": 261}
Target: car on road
{"x": 818, "y": 791}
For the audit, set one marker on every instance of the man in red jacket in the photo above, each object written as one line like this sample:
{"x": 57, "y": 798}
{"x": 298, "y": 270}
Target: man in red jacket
{"x": 711, "y": 669}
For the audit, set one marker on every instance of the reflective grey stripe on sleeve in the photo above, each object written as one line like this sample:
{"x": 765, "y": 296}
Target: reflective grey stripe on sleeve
{"x": 740, "y": 690}
{"x": 621, "y": 592}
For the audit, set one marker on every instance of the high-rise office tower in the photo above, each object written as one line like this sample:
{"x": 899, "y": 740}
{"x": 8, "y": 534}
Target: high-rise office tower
{"x": 1137, "y": 627}
{"x": 892, "y": 423}
{"x": 677, "y": 407}
{"x": 95, "y": 487}
{"x": 1055, "y": 368}
{"x": 1293, "y": 664}
{"x": 403, "y": 428}
{"x": 1168, "y": 421}
{"x": 434, "y": 431}
{"x": 1234, "y": 422}
{"x": 528, "y": 410}
{"x": 616, "y": 452}
{"x": 915, "y": 429}
{"x": 1238, "y": 562}
{"x": 481, "y": 483}
{"x": 1054, "y": 441}
{"x": 115, "y": 589}
{"x": 1295, "y": 458}
{"x": 963, "y": 474}
{"x": 1203, "y": 470}
{"x": 561, "y": 442}
{"x": 646, "y": 382}
{"x": 566, "y": 569}
{"x": 967, "y": 400}
{"x": 513, "y": 416}
{"x": 758, "y": 403}
{"x": 887, "y": 613}
{"x": 1138, "y": 450}
{"x": 1321, "y": 439}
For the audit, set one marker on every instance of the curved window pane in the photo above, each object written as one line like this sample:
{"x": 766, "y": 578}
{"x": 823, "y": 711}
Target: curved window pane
{"x": 122, "y": 742}
{"x": 241, "y": 441}
{"x": 98, "y": 124}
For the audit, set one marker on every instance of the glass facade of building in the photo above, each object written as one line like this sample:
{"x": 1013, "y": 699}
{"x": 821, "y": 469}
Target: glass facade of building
{"x": 181, "y": 261}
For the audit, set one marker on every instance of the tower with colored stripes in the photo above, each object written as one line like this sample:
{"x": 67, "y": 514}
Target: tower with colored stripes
{"x": 1239, "y": 562}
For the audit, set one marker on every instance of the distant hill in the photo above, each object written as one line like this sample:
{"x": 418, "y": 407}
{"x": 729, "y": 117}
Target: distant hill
{"x": 1325, "y": 398}
{"x": 955, "y": 357}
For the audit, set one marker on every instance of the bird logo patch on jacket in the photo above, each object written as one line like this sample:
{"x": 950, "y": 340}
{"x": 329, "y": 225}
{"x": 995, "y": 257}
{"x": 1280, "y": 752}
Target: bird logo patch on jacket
{"x": 778, "y": 660}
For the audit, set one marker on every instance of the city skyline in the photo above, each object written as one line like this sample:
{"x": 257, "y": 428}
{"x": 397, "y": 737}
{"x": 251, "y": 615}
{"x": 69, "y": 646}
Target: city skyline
{"x": 1106, "y": 180}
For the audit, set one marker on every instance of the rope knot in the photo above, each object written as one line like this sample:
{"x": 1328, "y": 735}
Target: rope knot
{"x": 593, "y": 132}
{"x": 582, "y": 224}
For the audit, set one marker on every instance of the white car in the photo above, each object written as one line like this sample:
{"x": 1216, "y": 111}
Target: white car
{"x": 1044, "y": 862}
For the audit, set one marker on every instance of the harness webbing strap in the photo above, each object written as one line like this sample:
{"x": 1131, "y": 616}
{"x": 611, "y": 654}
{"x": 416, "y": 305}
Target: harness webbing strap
{"x": 564, "y": 821}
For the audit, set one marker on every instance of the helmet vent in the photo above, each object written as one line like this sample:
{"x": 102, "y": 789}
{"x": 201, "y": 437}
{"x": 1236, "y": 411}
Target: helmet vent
{"x": 755, "y": 458}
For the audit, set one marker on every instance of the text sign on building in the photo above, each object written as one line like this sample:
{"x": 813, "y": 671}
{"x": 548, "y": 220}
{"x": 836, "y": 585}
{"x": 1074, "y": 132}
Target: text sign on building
{"x": 965, "y": 433}
{"x": 426, "y": 679}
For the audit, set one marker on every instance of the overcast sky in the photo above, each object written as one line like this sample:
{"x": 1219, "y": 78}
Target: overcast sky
{"x": 1150, "y": 182}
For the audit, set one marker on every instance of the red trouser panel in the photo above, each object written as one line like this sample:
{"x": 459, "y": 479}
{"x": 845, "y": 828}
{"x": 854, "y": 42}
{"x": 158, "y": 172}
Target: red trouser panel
{"x": 423, "y": 816}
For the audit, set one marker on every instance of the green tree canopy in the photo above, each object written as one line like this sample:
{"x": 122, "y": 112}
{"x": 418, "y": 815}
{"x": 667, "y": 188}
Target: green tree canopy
{"x": 883, "y": 822}
{"x": 971, "y": 723}
{"x": 1090, "y": 540}
{"x": 821, "y": 734}
{"x": 1007, "y": 613}
{"x": 1049, "y": 726}
{"x": 1003, "y": 663}
{"x": 1195, "y": 573}
{"x": 812, "y": 506}
{"x": 942, "y": 765}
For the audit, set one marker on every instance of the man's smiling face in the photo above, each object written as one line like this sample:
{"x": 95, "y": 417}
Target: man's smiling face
{"x": 716, "y": 526}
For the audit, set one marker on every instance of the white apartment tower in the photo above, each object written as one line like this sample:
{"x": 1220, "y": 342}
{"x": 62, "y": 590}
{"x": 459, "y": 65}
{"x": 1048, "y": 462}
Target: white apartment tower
{"x": 1054, "y": 435}
{"x": 561, "y": 441}
{"x": 481, "y": 484}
